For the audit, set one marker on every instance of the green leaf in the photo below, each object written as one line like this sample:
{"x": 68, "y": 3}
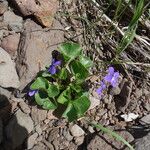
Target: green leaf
{"x": 81, "y": 105}
{"x": 49, "y": 105}
{"x": 39, "y": 83}
{"x": 71, "y": 50}
{"x": 52, "y": 90}
{"x": 78, "y": 70}
{"x": 76, "y": 87}
{"x": 85, "y": 61}
{"x": 70, "y": 113}
{"x": 46, "y": 74}
{"x": 63, "y": 74}
{"x": 41, "y": 97}
{"x": 65, "y": 96}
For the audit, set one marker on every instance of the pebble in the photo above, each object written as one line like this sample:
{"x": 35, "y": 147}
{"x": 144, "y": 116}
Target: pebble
{"x": 145, "y": 119}
{"x": 76, "y": 131}
{"x": 79, "y": 140}
{"x": 32, "y": 140}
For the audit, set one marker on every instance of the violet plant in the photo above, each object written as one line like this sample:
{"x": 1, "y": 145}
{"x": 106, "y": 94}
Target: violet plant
{"x": 60, "y": 86}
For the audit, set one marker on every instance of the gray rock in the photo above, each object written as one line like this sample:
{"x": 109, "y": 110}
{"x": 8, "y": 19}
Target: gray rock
{"x": 14, "y": 22}
{"x": 34, "y": 56}
{"x": 1, "y": 130}
{"x": 38, "y": 115}
{"x": 4, "y": 93}
{"x": 76, "y": 131}
{"x": 143, "y": 143}
{"x": 145, "y": 119}
{"x": 67, "y": 135}
{"x": 32, "y": 140}
{"x": 3, "y": 6}
{"x": 24, "y": 107}
{"x": 79, "y": 140}
{"x": 18, "y": 128}
{"x": 8, "y": 74}
{"x": 38, "y": 129}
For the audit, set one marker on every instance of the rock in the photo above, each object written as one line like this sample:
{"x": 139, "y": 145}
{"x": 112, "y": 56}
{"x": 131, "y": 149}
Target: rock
{"x": 79, "y": 140}
{"x": 94, "y": 102}
{"x": 106, "y": 142}
{"x": 10, "y": 43}
{"x": 90, "y": 128}
{"x": 43, "y": 10}
{"x": 76, "y": 131}
{"x": 67, "y": 135}
{"x": 8, "y": 74}
{"x": 32, "y": 140}
{"x": 143, "y": 143}
{"x": 40, "y": 146}
{"x": 115, "y": 91}
{"x": 18, "y": 128}
{"x": 34, "y": 56}
{"x": 38, "y": 129}
{"x": 4, "y": 92}
{"x": 3, "y": 7}
{"x": 1, "y": 131}
{"x": 145, "y": 120}
{"x": 38, "y": 115}
{"x": 24, "y": 107}
{"x": 139, "y": 92}
{"x": 14, "y": 22}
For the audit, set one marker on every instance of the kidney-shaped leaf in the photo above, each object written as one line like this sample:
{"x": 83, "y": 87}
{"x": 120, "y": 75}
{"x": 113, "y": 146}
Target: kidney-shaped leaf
{"x": 40, "y": 97}
{"x": 52, "y": 90}
{"x": 81, "y": 105}
{"x": 70, "y": 113}
{"x": 65, "y": 96}
{"x": 71, "y": 50}
{"x": 49, "y": 105}
{"x": 85, "y": 61}
{"x": 79, "y": 70}
{"x": 39, "y": 83}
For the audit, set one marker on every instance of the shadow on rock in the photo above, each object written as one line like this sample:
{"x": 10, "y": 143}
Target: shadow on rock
{"x": 12, "y": 133}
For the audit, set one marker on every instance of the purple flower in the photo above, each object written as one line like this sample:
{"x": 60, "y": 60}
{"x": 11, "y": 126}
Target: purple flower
{"x": 32, "y": 92}
{"x": 112, "y": 77}
{"x": 101, "y": 88}
{"x": 52, "y": 68}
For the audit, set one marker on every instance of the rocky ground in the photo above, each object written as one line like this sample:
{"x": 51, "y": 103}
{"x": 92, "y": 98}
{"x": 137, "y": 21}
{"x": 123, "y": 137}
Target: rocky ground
{"x": 28, "y": 35}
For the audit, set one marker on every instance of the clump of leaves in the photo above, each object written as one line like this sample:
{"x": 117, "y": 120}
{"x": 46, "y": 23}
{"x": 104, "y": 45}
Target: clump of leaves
{"x": 62, "y": 83}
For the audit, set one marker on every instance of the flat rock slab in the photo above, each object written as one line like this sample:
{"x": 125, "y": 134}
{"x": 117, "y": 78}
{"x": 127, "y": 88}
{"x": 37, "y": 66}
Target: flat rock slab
{"x": 35, "y": 49}
{"x": 43, "y": 10}
{"x": 8, "y": 74}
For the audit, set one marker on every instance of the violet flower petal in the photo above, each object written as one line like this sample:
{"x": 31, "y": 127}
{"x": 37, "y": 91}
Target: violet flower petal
{"x": 101, "y": 88}
{"x": 32, "y": 92}
{"x": 111, "y": 70}
{"x": 114, "y": 80}
{"x": 57, "y": 63}
{"x": 52, "y": 69}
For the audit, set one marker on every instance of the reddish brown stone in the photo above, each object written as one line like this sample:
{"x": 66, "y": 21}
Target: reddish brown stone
{"x": 43, "y": 10}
